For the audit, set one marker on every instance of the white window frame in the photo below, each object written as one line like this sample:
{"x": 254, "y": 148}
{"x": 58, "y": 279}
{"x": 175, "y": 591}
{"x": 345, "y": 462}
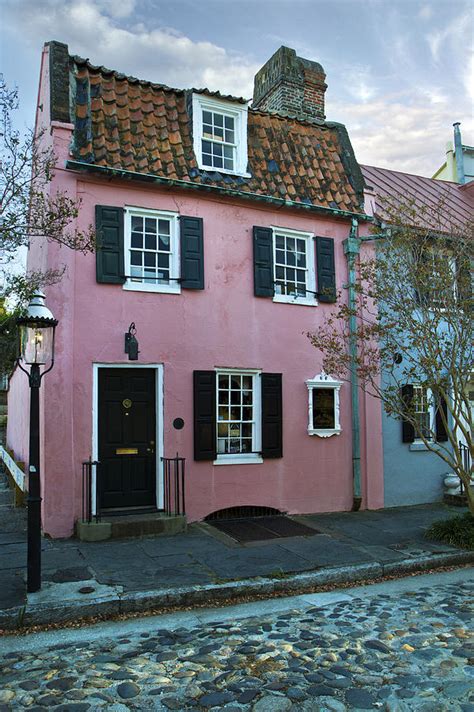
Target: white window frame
{"x": 174, "y": 287}
{"x": 431, "y": 411}
{"x": 322, "y": 380}
{"x": 432, "y": 299}
{"x": 310, "y": 299}
{"x": 239, "y": 112}
{"x": 243, "y": 458}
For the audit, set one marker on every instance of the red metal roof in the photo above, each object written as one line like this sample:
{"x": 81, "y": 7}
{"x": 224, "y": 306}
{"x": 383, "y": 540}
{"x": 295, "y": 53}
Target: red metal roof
{"x": 442, "y": 204}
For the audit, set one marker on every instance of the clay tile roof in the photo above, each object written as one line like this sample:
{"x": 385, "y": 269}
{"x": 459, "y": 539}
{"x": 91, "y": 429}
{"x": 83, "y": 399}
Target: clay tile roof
{"x": 142, "y": 127}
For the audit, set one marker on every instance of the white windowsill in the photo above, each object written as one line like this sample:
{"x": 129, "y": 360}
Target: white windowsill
{"x": 325, "y": 433}
{"x": 238, "y": 460}
{"x": 157, "y": 288}
{"x": 236, "y": 172}
{"x": 418, "y": 447}
{"x": 288, "y": 299}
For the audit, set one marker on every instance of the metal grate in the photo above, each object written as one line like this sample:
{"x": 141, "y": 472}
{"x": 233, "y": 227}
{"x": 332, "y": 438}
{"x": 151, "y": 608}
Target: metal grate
{"x": 242, "y": 513}
{"x": 262, "y": 528}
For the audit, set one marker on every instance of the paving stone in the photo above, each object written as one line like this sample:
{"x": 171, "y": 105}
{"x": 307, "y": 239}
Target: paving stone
{"x": 270, "y": 703}
{"x": 377, "y": 645}
{"x": 216, "y": 699}
{"x": 247, "y": 696}
{"x": 360, "y": 698}
{"x": 127, "y": 690}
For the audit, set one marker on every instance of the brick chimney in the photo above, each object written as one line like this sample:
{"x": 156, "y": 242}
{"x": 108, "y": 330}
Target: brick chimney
{"x": 291, "y": 85}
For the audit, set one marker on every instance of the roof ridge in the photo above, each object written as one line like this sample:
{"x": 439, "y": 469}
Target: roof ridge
{"x": 85, "y": 62}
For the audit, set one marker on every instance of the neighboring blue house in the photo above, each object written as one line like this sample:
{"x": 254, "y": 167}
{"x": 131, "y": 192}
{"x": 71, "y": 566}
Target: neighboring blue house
{"x": 413, "y": 475}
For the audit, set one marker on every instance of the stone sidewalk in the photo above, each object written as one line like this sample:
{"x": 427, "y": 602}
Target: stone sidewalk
{"x": 83, "y": 579}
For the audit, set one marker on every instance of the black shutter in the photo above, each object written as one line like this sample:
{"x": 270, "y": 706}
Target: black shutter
{"x": 408, "y": 431}
{"x": 205, "y": 415}
{"x": 272, "y": 415}
{"x": 263, "y": 262}
{"x": 109, "y": 252}
{"x": 192, "y": 252}
{"x": 326, "y": 270}
{"x": 441, "y": 405}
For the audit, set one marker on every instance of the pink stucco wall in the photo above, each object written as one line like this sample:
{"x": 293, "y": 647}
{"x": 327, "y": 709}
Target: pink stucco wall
{"x": 18, "y": 416}
{"x": 224, "y": 325}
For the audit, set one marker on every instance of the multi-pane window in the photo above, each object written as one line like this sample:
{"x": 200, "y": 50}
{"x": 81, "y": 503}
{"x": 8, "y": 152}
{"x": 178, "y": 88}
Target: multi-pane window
{"x": 218, "y": 140}
{"x": 220, "y": 134}
{"x": 294, "y": 266}
{"x": 236, "y": 413}
{"x": 436, "y": 279}
{"x": 152, "y": 259}
{"x": 422, "y": 411}
{"x": 290, "y": 265}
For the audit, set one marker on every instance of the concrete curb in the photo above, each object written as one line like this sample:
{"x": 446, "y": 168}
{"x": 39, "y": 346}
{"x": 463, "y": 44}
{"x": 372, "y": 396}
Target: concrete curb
{"x": 132, "y": 602}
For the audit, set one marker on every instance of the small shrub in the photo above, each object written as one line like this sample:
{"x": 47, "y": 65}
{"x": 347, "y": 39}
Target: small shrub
{"x": 457, "y": 531}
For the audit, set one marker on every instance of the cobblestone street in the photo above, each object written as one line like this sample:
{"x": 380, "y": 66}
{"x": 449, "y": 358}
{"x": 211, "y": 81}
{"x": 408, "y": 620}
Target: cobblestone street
{"x": 397, "y": 646}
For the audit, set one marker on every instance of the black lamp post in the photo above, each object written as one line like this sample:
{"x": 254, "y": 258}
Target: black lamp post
{"x": 37, "y": 329}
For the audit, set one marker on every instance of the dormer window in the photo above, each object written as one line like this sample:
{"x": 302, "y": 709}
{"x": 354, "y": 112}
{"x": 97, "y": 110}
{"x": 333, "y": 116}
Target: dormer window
{"x": 220, "y": 135}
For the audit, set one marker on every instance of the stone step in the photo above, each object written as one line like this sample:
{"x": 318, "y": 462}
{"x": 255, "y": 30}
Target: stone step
{"x": 131, "y": 526}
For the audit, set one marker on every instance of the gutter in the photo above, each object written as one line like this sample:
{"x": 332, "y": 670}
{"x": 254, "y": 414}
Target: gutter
{"x": 229, "y": 192}
{"x": 351, "y": 250}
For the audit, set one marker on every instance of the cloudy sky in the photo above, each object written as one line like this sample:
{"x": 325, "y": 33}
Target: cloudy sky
{"x": 399, "y": 72}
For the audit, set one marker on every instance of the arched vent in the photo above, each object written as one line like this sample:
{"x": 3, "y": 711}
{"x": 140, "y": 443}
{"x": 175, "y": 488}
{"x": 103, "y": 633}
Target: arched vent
{"x": 242, "y": 513}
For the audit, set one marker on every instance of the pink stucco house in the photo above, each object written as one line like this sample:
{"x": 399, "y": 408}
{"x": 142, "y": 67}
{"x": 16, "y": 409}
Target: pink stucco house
{"x": 222, "y": 230}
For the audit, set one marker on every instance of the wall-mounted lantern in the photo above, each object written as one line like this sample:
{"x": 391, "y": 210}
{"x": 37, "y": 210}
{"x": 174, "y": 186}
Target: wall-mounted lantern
{"x": 131, "y": 343}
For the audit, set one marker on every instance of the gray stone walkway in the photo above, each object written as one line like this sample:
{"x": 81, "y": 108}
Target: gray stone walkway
{"x": 400, "y": 646}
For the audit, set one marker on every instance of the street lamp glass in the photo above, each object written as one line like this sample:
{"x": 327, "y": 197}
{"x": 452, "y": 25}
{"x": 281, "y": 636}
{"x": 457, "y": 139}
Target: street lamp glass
{"x": 37, "y": 328}
{"x": 37, "y": 343}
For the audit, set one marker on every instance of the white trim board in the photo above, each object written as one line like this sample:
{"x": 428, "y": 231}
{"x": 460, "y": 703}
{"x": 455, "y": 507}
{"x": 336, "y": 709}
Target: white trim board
{"x": 159, "y": 451}
{"x": 17, "y": 474}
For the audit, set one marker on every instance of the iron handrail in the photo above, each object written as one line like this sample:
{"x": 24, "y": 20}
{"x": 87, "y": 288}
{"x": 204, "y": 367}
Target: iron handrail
{"x": 174, "y": 485}
{"x": 87, "y": 468}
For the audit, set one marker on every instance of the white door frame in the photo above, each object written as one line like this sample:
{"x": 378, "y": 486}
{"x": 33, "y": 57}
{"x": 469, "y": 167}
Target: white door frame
{"x": 159, "y": 450}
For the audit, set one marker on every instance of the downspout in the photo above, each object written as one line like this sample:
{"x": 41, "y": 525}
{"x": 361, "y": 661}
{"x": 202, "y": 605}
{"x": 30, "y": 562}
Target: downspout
{"x": 458, "y": 153}
{"x": 351, "y": 250}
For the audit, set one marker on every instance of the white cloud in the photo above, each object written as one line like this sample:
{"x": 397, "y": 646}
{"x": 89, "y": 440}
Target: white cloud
{"x": 468, "y": 77}
{"x": 407, "y": 136}
{"x": 425, "y": 13}
{"x": 98, "y": 29}
{"x": 455, "y": 37}
{"x": 118, "y": 8}
{"x": 360, "y": 82}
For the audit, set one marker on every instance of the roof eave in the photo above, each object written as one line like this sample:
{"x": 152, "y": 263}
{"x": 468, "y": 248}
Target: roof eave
{"x": 228, "y": 192}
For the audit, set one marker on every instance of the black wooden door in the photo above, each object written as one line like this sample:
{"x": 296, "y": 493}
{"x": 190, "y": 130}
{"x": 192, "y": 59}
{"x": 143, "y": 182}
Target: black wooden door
{"x": 127, "y": 432}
